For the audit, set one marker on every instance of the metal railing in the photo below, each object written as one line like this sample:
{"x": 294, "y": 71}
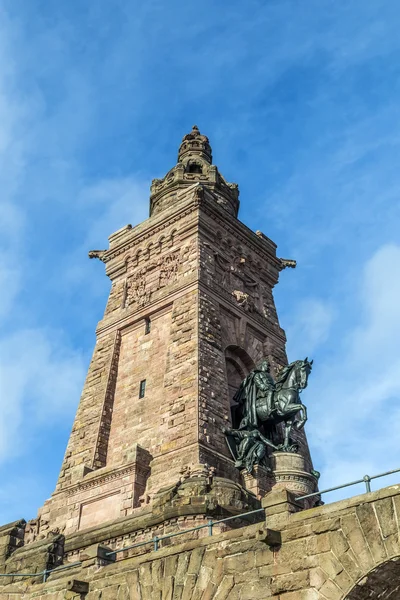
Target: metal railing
{"x": 210, "y": 524}
{"x": 155, "y": 540}
{"x": 366, "y": 479}
{"x": 44, "y": 573}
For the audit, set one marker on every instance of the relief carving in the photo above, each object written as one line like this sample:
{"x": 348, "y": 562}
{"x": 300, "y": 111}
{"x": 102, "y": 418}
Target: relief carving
{"x": 168, "y": 269}
{"x": 244, "y": 300}
{"x": 39, "y": 529}
{"x": 32, "y": 530}
{"x": 268, "y": 305}
{"x": 136, "y": 289}
{"x": 140, "y": 286}
{"x": 231, "y": 273}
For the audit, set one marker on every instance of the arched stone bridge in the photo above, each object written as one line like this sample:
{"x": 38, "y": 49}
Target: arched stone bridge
{"x": 347, "y": 550}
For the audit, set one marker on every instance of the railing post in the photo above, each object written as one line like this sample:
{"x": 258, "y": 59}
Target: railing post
{"x": 45, "y": 572}
{"x": 367, "y": 480}
{"x": 210, "y": 527}
{"x": 156, "y": 541}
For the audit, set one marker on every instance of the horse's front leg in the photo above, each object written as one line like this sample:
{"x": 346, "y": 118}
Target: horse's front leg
{"x": 303, "y": 417}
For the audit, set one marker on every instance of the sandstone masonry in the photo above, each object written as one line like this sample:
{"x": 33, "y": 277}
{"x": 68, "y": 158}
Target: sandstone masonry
{"x": 348, "y": 550}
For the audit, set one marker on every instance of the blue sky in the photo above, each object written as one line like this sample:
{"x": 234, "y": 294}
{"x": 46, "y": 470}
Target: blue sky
{"x": 301, "y": 105}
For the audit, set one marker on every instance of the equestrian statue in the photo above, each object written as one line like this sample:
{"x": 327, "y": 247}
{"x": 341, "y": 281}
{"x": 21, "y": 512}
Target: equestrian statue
{"x": 265, "y": 403}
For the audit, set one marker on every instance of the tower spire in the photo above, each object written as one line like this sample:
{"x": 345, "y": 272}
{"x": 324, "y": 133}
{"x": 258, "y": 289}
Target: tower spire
{"x": 194, "y": 145}
{"x": 194, "y": 166}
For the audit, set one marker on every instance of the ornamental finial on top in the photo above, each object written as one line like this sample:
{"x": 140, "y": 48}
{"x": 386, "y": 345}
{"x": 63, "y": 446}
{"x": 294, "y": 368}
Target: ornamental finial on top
{"x": 195, "y": 144}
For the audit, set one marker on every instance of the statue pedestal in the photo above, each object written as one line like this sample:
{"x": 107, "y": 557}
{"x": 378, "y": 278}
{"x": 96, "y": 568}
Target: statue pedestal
{"x": 260, "y": 482}
{"x": 290, "y": 473}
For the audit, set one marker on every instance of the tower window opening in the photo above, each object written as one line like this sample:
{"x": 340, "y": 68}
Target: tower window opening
{"x": 142, "y": 388}
{"x": 195, "y": 168}
{"x": 147, "y": 325}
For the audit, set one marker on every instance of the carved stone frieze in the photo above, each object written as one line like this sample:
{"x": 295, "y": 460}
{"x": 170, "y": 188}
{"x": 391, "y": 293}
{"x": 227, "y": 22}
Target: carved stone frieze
{"x": 136, "y": 292}
{"x": 140, "y": 286}
{"x": 260, "y": 253}
{"x": 39, "y": 529}
{"x": 32, "y": 530}
{"x": 236, "y": 275}
{"x": 168, "y": 269}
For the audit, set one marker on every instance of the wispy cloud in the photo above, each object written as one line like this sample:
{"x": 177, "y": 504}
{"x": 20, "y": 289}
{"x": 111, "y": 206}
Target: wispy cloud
{"x": 47, "y": 199}
{"x": 354, "y": 389}
{"x": 40, "y": 382}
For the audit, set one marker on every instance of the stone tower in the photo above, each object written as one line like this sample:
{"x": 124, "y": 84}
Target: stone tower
{"x": 189, "y": 315}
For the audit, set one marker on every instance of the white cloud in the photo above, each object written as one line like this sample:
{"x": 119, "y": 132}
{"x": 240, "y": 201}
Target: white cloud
{"x": 40, "y": 382}
{"x": 354, "y": 394}
{"x": 41, "y": 373}
{"x": 377, "y": 341}
{"x": 41, "y": 370}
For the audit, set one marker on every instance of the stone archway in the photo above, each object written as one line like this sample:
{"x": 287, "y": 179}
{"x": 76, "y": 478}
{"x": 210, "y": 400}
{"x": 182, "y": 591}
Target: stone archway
{"x": 238, "y": 364}
{"x": 381, "y": 583}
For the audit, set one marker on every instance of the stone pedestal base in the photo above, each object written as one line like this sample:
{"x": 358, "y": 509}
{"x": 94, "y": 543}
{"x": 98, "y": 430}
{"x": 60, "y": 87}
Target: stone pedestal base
{"x": 290, "y": 473}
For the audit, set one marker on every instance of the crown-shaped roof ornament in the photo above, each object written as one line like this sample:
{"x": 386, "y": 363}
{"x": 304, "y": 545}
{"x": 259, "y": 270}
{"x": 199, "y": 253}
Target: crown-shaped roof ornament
{"x": 194, "y": 143}
{"x": 194, "y": 173}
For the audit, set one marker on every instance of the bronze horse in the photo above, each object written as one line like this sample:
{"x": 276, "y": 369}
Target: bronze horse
{"x": 264, "y": 402}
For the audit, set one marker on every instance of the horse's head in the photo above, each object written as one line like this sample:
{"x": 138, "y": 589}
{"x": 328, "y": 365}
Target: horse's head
{"x": 305, "y": 367}
{"x": 295, "y": 375}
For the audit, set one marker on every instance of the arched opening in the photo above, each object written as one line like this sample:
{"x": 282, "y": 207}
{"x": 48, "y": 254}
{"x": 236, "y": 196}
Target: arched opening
{"x": 381, "y": 582}
{"x": 238, "y": 365}
{"x": 194, "y": 167}
{"x": 235, "y": 377}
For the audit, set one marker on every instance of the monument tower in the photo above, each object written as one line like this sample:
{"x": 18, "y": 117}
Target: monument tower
{"x": 190, "y": 314}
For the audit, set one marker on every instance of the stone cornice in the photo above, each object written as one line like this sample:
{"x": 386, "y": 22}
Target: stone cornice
{"x": 261, "y": 245}
{"x": 134, "y": 238}
{"x": 93, "y": 480}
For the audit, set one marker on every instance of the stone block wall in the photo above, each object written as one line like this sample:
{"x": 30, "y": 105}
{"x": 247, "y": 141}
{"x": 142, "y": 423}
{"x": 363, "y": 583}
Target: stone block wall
{"x": 348, "y": 550}
{"x": 238, "y": 324}
{"x": 82, "y": 443}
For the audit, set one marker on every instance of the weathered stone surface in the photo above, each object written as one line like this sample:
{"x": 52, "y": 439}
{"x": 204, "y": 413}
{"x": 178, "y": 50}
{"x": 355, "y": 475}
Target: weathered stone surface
{"x": 11, "y": 538}
{"x": 236, "y": 565}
